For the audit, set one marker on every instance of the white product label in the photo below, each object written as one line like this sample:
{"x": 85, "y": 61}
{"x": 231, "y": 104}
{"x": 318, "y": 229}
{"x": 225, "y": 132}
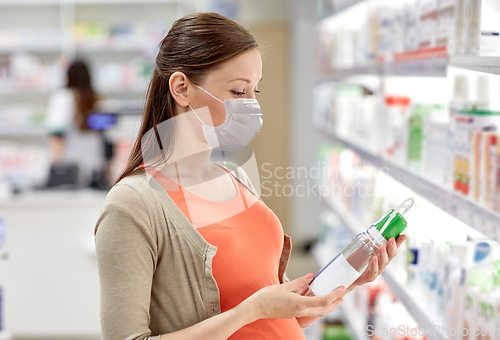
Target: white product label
{"x": 490, "y": 43}
{"x": 337, "y": 273}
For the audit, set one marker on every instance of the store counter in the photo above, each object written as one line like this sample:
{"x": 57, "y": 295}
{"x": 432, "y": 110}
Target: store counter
{"x": 49, "y": 271}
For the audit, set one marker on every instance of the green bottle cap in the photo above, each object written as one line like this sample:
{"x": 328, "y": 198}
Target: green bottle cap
{"x": 395, "y": 226}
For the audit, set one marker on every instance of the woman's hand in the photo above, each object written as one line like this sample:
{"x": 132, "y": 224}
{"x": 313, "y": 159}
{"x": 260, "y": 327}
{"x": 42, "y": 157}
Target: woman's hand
{"x": 283, "y": 301}
{"x": 378, "y": 263}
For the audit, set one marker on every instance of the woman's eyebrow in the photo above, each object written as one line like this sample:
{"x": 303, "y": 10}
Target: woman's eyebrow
{"x": 243, "y": 79}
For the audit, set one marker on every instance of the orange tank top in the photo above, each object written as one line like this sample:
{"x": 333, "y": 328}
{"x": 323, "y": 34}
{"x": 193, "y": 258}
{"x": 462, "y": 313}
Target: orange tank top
{"x": 249, "y": 240}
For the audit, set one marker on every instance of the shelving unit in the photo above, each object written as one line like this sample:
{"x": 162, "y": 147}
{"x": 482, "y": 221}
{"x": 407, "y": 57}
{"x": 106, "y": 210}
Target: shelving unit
{"x": 481, "y": 64}
{"x": 432, "y": 62}
{"x": 478, "y": 217}
{"x": 424, "y": 318}
{"x": 426, "y": 67}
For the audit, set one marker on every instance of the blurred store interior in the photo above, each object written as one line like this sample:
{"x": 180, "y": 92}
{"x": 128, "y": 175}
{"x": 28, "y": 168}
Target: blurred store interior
{"x": 365, "y": 103}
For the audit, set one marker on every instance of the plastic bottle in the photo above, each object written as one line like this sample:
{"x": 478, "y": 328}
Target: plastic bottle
{"x": 470, "y": 323}
{"x": 494, "y": 305}
{"x": 474, "y": 27}
{"x": 461, "y": 101}
{"x": 477, "y": 278}
{"x": 460, "y": 257}
{"x": 349, "y": 264}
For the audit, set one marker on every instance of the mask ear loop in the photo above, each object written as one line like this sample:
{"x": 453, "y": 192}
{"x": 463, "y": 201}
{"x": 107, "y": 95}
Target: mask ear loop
{"x": 211, "y": 95}
{"x": 196, "y": 114}
{"x": 407, "y": 204}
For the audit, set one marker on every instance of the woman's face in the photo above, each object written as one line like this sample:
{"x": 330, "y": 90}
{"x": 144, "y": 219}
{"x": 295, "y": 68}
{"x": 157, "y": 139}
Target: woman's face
{"x": 237, "y": 78}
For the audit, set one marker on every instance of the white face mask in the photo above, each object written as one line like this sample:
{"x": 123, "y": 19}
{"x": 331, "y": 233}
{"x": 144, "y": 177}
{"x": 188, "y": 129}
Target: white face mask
{"x": 243, "y": 122}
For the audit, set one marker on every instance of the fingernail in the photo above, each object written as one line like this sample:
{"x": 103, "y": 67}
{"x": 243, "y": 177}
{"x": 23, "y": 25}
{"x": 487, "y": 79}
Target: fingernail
{"x": 344, "y": 289}
{"x": 310, "y": 275}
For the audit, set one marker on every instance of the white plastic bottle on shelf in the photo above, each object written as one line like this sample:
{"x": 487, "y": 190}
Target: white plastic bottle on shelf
{"x": 490, "y": 31}
{"x": 349, "y": 264}
{"x": 494, "y": 300}
{"x": 487, "y": 93}
{"x": 451, "y": 26}
{"x": 457, "y": 137}
{"x": 440, "y": 280}
{"x": 484, "y": 311}
{"x": 474, "y": 280}
{"x": 474, "y": 27}
{"x": 460, "y": 257}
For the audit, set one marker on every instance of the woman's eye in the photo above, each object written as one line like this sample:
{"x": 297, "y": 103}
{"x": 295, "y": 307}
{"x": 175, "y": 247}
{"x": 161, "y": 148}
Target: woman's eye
{"x": 256, "y": 91}
{"x": 236, "y": 93}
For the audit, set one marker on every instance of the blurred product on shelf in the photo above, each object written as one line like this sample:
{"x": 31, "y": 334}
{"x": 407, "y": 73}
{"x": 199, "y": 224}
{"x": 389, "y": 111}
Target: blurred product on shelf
{"x": 380, "y": 31}
{"x": 27, "y": 72}
{"x": 23, "y": 71}
{"x": 134, "y": 35}
{"x": 22, "y": 166}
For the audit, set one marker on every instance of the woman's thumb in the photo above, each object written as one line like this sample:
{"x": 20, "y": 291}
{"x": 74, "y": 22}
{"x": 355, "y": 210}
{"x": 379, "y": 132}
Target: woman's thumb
{"x": 296, "y": 284}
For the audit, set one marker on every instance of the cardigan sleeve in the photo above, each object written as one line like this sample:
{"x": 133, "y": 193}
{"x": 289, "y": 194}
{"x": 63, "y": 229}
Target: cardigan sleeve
{"x": 126, "y": 249}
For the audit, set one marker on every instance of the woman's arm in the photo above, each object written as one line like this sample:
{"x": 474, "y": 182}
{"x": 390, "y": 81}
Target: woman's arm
{"x": 126, "y": 256}
{"x": 220, "y": 326}
{"x": 275, "y": 301}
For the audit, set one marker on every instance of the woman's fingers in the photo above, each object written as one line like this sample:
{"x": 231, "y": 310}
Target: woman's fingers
{"x": 372, "y": 271}
{"x": 392, "y": 248}
{"x": 313, "y": 301}
{"x": 303, "y": 290}
{"x": 298, "y": 284}
{"x": 383, "y": 260}
{"x": 323, "y": 310}
{"x": 400, "y": 240}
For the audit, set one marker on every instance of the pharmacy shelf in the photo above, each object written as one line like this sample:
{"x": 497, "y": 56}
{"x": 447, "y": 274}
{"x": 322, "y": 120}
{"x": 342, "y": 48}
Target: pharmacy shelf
{"x": 423, "y": 317}
{"x": 46, "y": 49}
{"x": 430, "y": 62}
{"x": 115, "y": 48}
{"x": 25, "y": 91}
{"x": 433, "y": 65}
{"x": 481, "y": 64}
{"x": 482, "y": 219}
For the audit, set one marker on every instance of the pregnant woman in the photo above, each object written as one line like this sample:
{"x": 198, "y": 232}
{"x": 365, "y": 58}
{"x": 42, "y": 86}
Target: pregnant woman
{"x": 186, "y": 249}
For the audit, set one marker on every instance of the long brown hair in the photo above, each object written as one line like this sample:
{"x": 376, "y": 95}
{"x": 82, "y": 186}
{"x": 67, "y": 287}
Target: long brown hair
{"x": 195, "y": 45}
{"x": 79, "y": 81}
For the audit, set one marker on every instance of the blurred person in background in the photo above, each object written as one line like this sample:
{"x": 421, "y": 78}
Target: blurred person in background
{"x": 77, "y": 151}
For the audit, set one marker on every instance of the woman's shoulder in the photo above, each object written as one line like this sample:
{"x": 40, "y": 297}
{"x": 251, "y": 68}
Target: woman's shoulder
{"x": 131, "y": 187}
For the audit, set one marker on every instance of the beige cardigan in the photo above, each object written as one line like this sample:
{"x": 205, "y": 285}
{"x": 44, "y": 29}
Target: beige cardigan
{"x": 155, "y": 268}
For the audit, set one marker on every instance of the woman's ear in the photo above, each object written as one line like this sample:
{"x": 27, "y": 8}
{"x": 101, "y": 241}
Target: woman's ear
{"x": 178, "y": 84}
